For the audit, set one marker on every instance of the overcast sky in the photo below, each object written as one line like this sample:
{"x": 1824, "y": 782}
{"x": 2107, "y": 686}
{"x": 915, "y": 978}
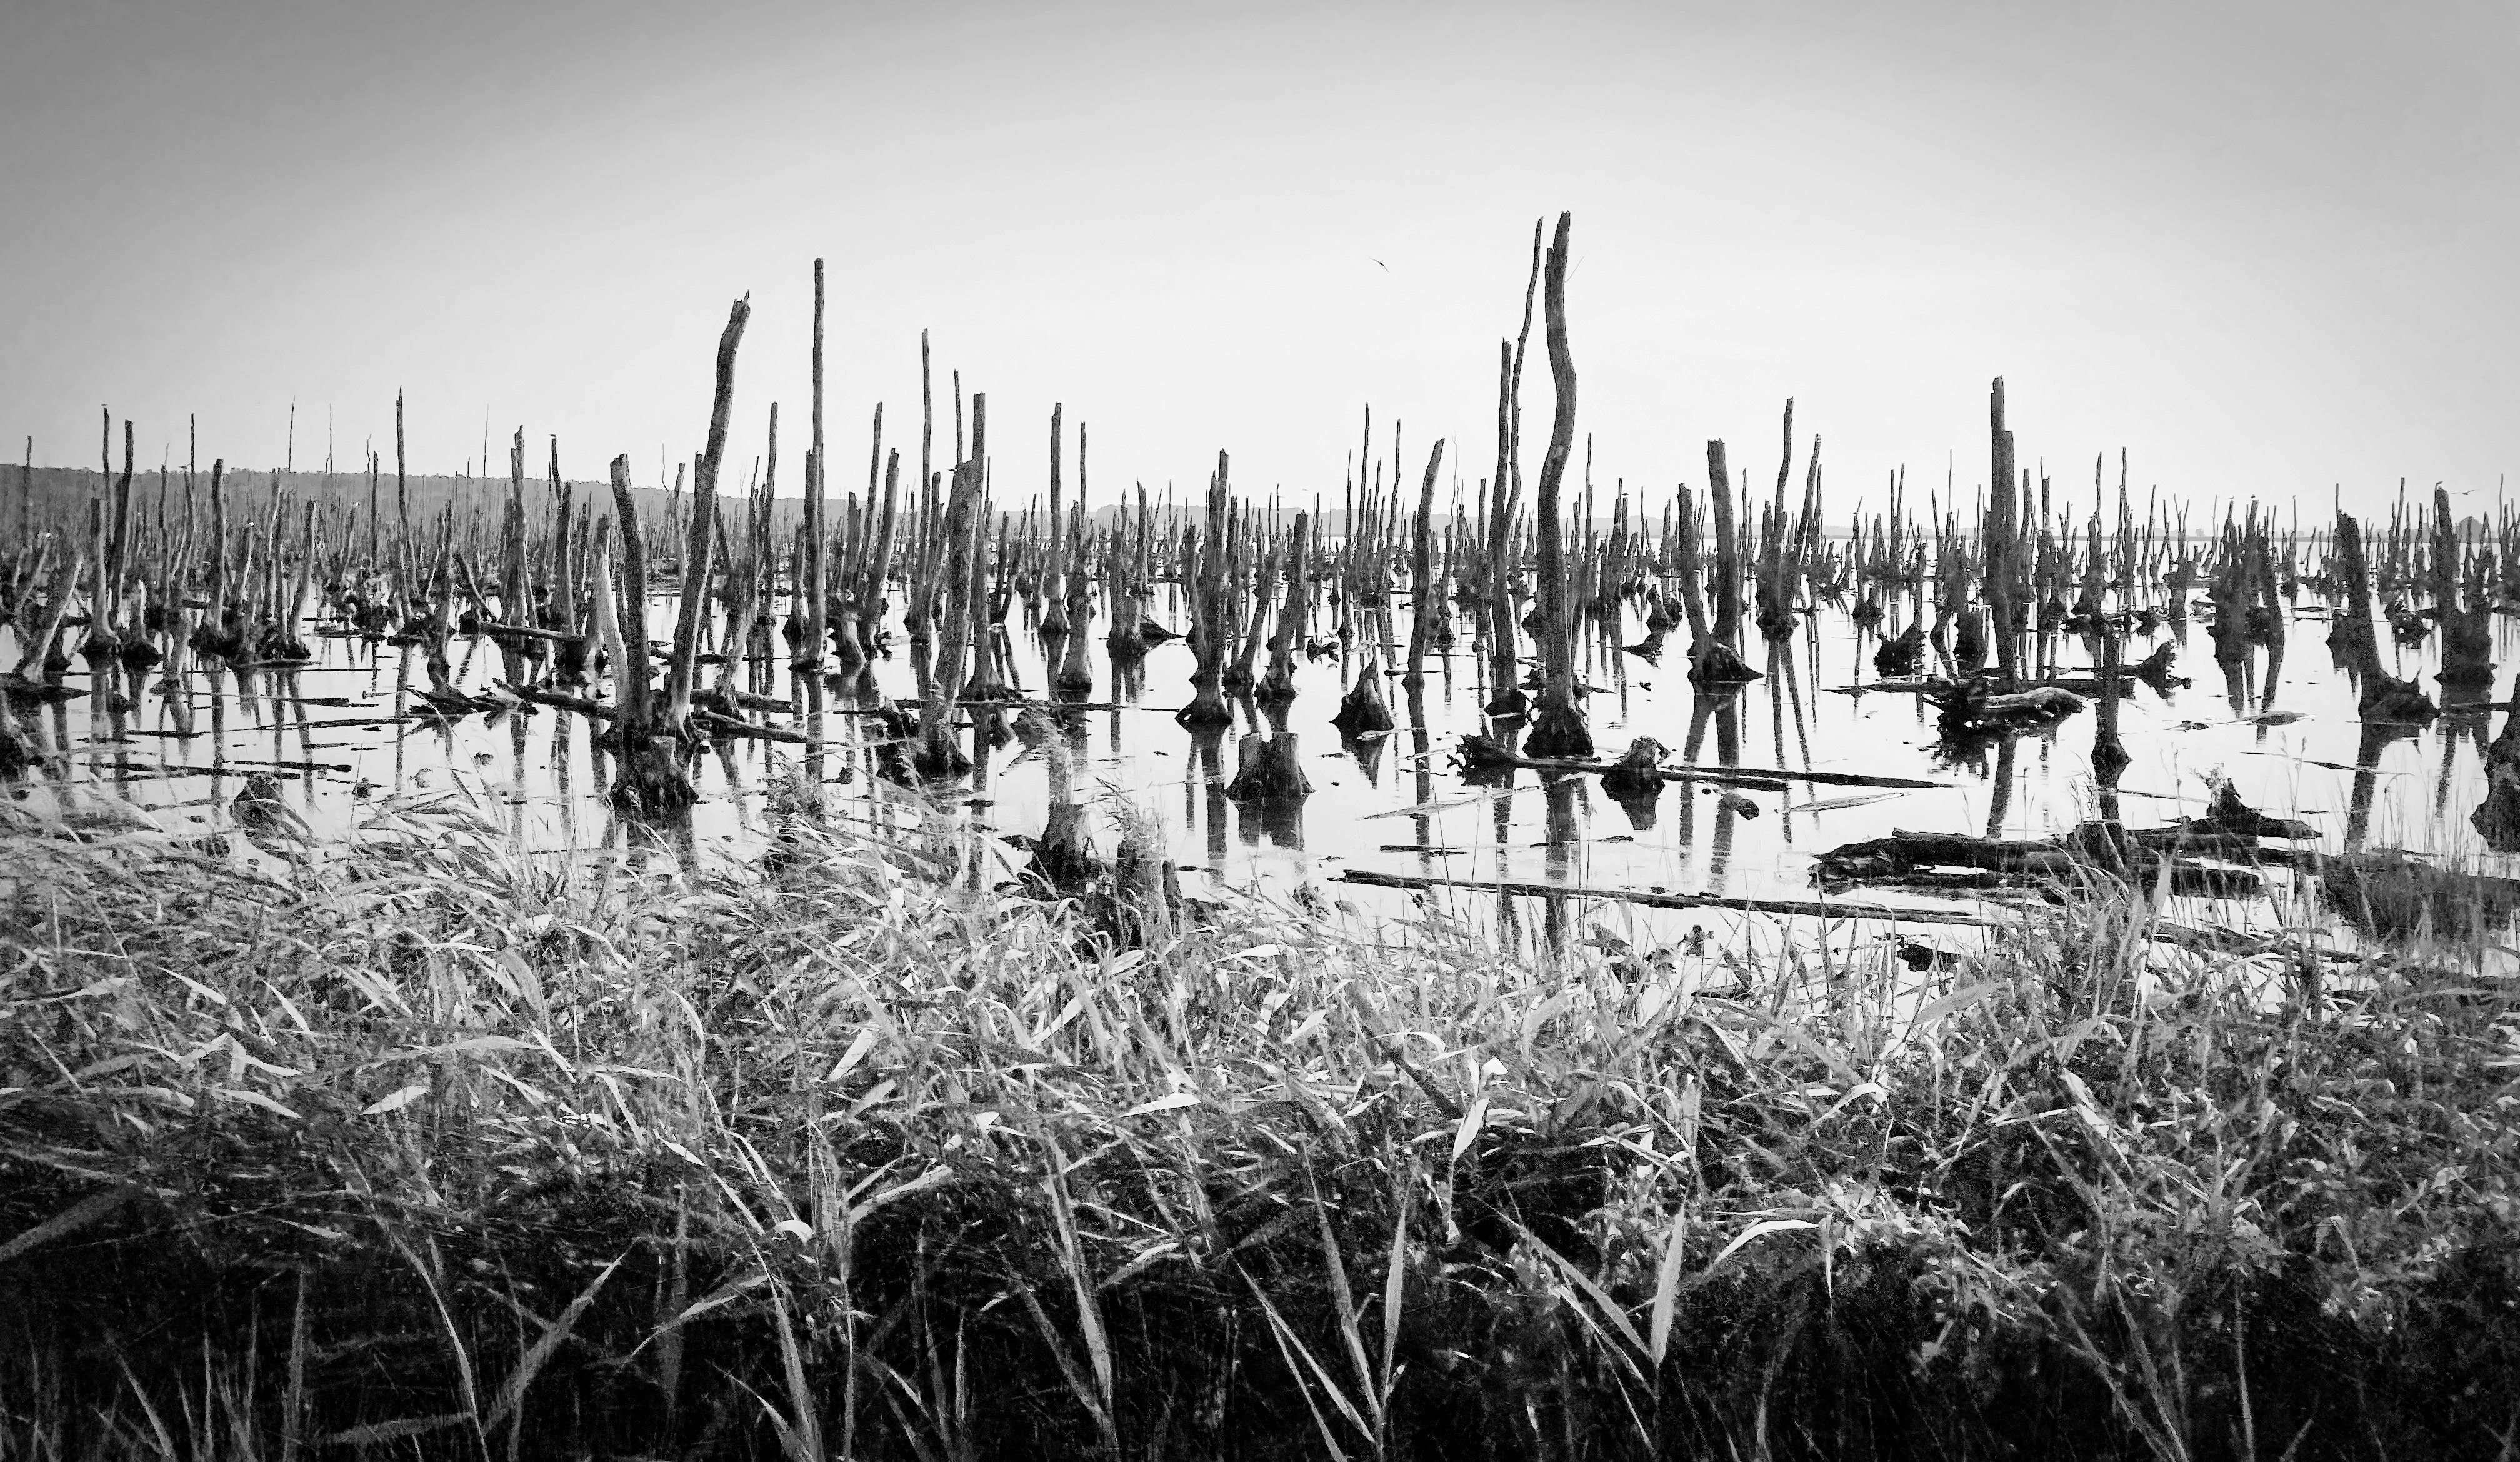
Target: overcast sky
{"x": 2265, "y": 249}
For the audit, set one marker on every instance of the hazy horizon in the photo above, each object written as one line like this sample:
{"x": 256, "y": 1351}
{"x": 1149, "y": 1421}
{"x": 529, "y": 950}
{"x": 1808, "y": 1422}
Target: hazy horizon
{"x": 2258, "y": 249}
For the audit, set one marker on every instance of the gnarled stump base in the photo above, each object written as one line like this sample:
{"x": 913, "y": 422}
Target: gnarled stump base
{"x": 1558, "y": 730}
{"x": 654, "y": 780}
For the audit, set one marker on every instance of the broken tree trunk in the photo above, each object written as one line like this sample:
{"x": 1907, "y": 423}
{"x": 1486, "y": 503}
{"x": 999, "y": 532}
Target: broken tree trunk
{"x": 1054, "y": 574}
{"x": 1205, "y": 560}
{"x": 938, "y": 756}
{"x": 1076, "y": 666}
{"x": 1713, "y": 658}
{"x": 1278, "y": 685}
{"x": 2002, "y": 535}
{"x": 2467, "y": 624}
{"x": 2497, "y": 818}
{"x": 2379, "y": 695}
{"x": 1241, "y": 675}
{"x": 1268, "y": 769}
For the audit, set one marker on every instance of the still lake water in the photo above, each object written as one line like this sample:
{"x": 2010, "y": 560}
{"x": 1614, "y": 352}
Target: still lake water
{"x": 342, "y": 736}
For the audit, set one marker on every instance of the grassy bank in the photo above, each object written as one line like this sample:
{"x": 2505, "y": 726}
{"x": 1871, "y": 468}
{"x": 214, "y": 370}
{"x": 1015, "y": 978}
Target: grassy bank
{"x": 433, "y": 1150}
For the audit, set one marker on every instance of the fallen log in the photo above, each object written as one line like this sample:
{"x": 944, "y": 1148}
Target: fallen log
{"x": 1976, "y": 710}
{"x": 1904, "y": 856}
{"x": 1903, "y": 852}
{"x": 1487, "y": 750}
{"x": 1787, "y": 907}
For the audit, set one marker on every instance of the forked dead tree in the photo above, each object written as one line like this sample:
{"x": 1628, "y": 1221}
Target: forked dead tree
{"x": 654, "y": 727}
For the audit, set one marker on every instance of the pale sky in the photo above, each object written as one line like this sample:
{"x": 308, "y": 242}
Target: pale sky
{"x": 2263, "y": 248}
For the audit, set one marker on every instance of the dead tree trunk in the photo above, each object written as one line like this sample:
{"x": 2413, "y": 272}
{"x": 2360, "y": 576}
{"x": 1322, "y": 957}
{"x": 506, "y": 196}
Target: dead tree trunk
{"x": 1506, "y": 699}
{"x": 2497, "y": 818}
{"x": 2468, "y": 625}
{"x": 1076, "y": 666}
{"x": 1240, "y": 675}
{"x": 1203, "y": 567}
{"x": 813, "y": 585}
{"x": 653, "y": 777}
{"x": 1557, "y": 728}
{"x": 1426, "y": 599}
{"x": 2002, "y": 535}
{"x": 1054, "y": 575}
{"x": 1713, "y": 656}
{"x": 938, "y": 756}
{"x": 1278, "y": 685}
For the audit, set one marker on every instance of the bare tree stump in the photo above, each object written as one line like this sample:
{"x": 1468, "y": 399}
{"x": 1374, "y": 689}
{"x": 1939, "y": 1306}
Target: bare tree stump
{"x": 1269, "y": 768}
{"x": 1363, "y": 709}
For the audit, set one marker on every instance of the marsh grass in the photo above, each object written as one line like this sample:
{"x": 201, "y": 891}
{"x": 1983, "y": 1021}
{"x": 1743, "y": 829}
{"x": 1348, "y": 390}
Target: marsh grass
{"x": 426, "y": 1148}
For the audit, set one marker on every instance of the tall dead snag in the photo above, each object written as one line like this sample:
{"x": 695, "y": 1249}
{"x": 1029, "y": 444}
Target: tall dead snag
{"x": 1505, "y": 700}
{"x": 1713, "y": 658}
{"x": 1278, "y": 685}
{"x": 653, "y": 778}
{"x": 813, "y": 585}
{"x": 632, "y": 675}
{"x": 1557, "y": 728}
{"x": 1205, "y": 564}
{"x": 2002, "y": 535}
{"x": 985, "y": 684}
{"x": 1426, "y": 596}
{"x": 939, "y": 755}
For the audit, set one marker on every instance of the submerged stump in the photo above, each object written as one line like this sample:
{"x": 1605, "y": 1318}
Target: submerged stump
{"x": 1638, "y": 772}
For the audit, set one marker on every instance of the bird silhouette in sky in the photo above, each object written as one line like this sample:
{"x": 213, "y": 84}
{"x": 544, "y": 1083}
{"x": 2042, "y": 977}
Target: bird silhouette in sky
{"x": 1386, "y": 268}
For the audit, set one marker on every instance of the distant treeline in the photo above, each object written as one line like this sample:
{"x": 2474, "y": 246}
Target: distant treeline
{"x": 59, "y": 496}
